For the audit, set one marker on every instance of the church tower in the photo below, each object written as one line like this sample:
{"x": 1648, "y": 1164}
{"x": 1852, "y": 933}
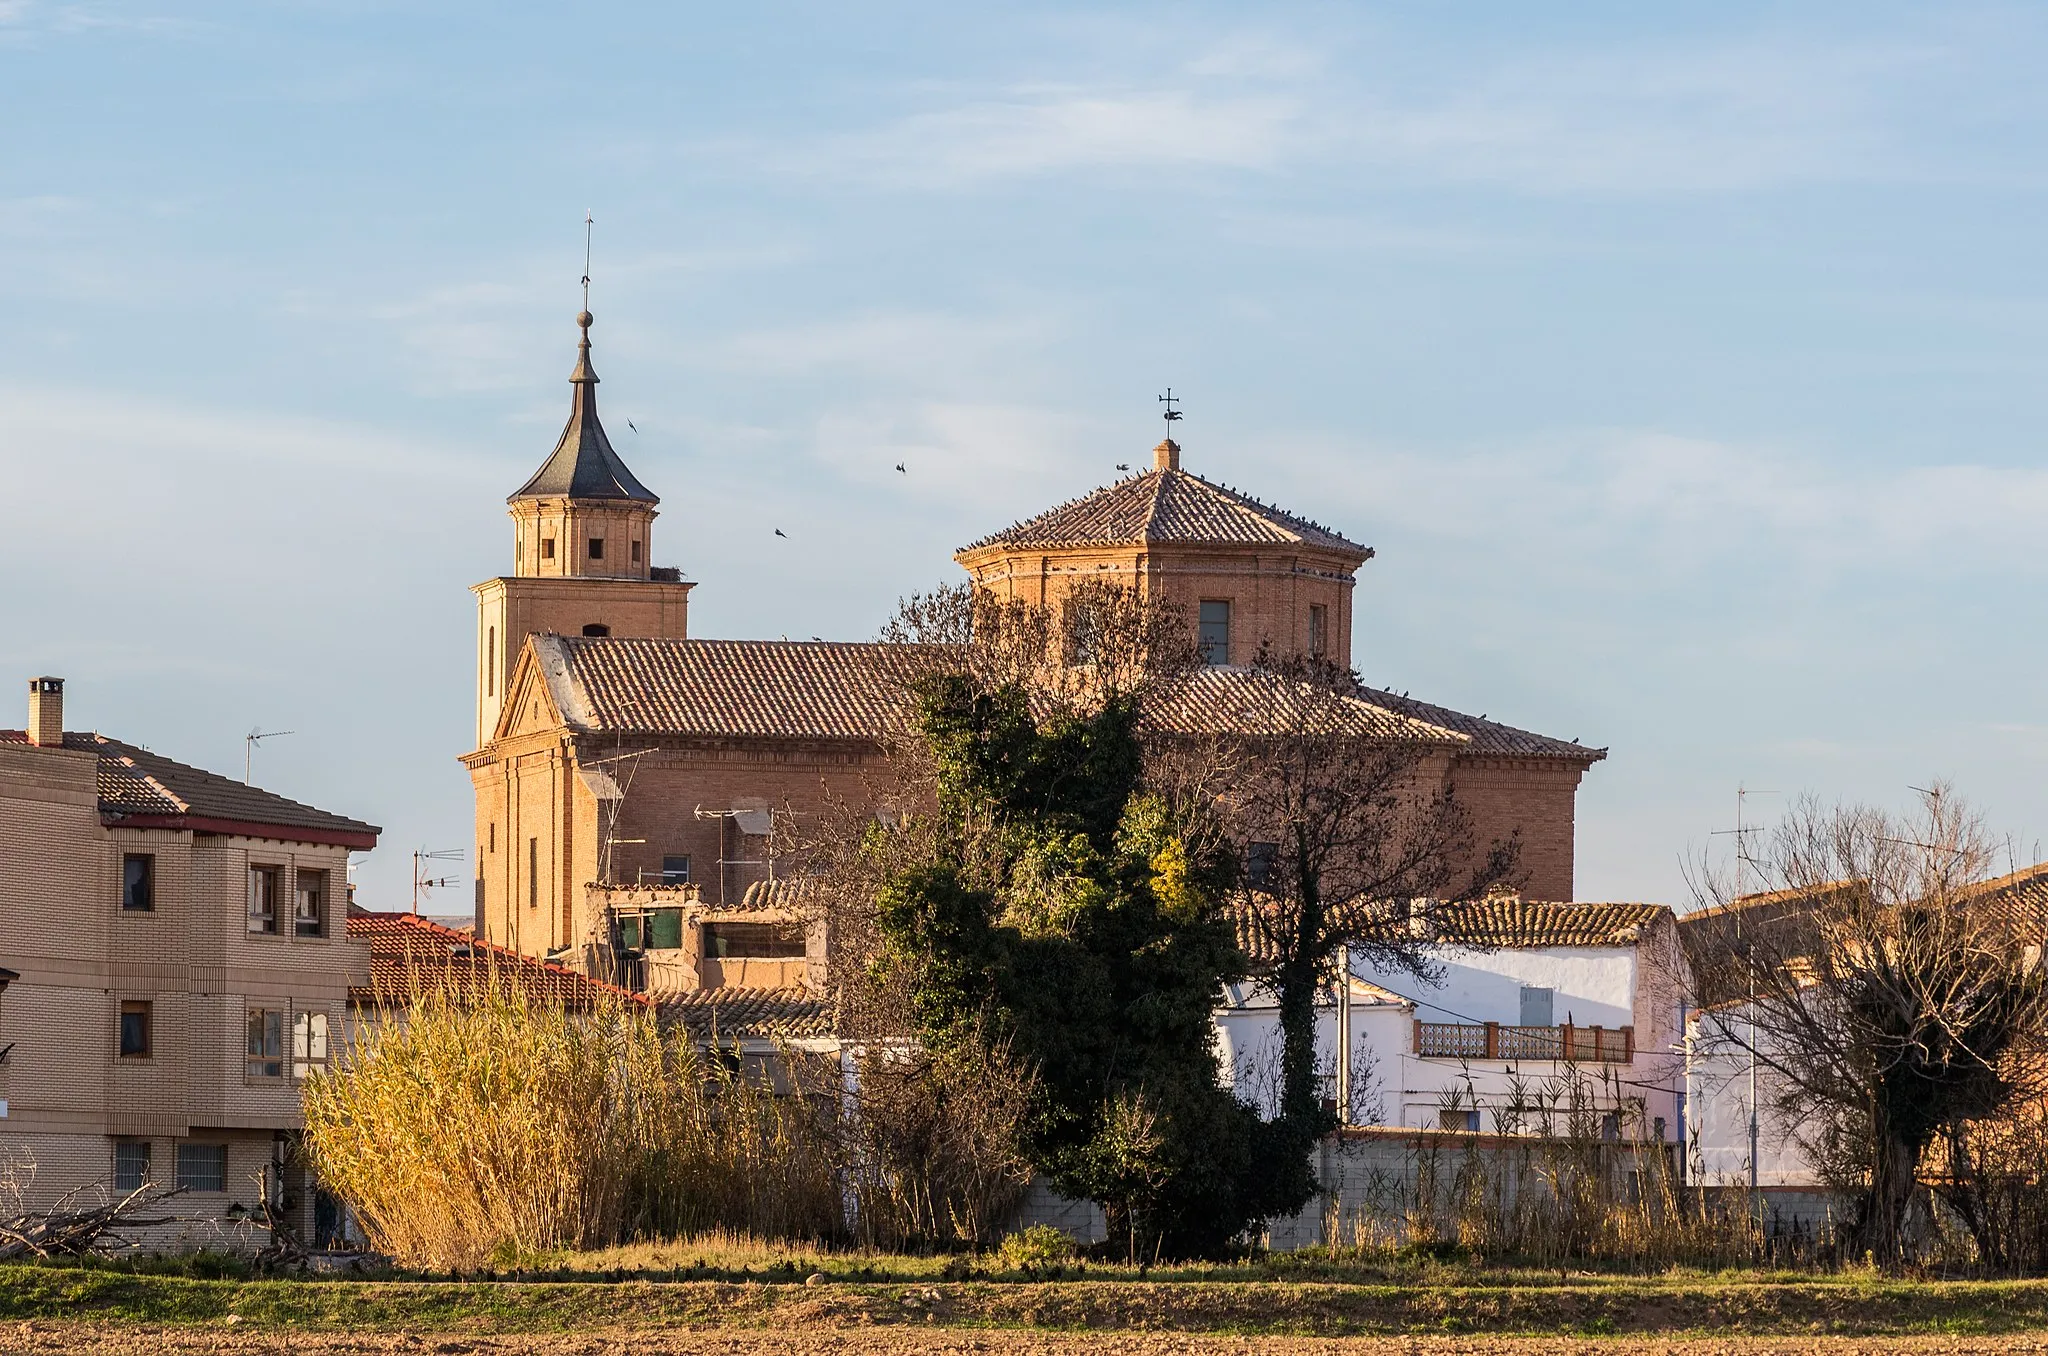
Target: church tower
{"x": 582, "y": 553}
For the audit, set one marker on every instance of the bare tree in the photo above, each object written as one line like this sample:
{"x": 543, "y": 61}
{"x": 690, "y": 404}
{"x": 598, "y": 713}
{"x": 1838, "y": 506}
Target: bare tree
{"x": 1350, "y": 832}
{"x": 1885, "y": 987}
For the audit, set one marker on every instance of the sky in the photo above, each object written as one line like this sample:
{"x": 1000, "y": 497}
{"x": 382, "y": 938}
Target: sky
{"x": 1682, "y": 363}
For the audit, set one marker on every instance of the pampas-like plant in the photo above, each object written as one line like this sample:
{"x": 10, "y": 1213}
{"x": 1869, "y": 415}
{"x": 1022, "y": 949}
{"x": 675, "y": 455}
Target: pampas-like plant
{"x": 482, "y": 1125}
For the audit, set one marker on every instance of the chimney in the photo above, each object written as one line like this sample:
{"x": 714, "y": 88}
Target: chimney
{"x": 1166, "y": 456}
{"x": 46, "y": 712}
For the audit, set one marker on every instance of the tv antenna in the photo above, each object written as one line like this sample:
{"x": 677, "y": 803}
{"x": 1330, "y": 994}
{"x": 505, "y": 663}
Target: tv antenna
{"x": 422, "y": 882}
{"x": 249, "y": 743}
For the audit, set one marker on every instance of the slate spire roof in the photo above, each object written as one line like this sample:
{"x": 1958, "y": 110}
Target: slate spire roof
{"x": 1169, "y": 506}
{"x": 583, "y": 465}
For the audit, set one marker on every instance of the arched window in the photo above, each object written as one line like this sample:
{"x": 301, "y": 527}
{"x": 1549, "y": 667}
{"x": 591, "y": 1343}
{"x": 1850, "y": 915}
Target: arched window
{"x": 597, "y": 629}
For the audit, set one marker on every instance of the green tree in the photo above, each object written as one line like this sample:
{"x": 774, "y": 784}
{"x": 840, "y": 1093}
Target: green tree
{"x": 1058, "y": 913}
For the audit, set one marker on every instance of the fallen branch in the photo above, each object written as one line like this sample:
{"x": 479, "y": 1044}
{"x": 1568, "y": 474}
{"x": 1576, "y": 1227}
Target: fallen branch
{"x": 67, "y": 1229}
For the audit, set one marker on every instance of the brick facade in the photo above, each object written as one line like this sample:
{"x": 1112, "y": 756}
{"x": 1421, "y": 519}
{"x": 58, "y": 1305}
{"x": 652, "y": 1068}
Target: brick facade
{"x": 70, "y": 1093}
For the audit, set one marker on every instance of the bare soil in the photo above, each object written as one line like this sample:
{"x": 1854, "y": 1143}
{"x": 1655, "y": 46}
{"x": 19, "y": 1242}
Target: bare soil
{"x": 111, "y": 1340}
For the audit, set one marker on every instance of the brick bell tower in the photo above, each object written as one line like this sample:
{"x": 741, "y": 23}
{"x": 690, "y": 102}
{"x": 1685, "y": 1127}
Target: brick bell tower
{"x": 582, "y": 547}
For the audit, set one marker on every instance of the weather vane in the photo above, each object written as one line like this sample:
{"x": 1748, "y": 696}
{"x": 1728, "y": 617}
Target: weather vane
{"x": 1172, "y": 414}
{"x": 586, "y": 258}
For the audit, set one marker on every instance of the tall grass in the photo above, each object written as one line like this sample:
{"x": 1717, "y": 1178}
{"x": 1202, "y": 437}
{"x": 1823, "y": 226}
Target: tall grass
{"x": 482, "y": 1125}
{"x": 1571, "y": 1180}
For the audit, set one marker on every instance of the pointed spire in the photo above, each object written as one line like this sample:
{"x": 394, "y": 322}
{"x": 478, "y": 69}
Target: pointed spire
{"x": 583, "y": 465}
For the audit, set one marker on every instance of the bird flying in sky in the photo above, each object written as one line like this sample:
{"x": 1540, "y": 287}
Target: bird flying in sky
{"x": 780, "y": 533}
{"x": 899, "y": 466}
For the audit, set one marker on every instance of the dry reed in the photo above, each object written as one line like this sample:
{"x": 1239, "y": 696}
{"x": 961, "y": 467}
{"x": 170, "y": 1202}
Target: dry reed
{"x": 481, "y": 1126}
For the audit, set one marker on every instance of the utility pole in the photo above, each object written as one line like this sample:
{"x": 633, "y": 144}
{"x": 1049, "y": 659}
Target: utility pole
{"x": 1344, "y": 1034}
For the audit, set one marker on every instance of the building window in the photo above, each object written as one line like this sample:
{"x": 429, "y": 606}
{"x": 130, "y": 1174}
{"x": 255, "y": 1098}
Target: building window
{"x": 664, "y": 929}
{"x": 1318, "y": 630}
{"x": 309, "y": 916}
{"x": 131, "y": 1164}
{"x": 675, "y": 870}
{"x": 264, "y": 888}
{"x": 202, "y": 1167}
{"x": 138, "y": 882}
{"x": 491, "y": 662}
{"x": 751, "y": 941}
{"x": 533, "y": 873}
{"x": 266, "y": 1043}
{"x": 494, "y": 835}
{"x": 1259, "y": 861}
{"x": 1538, "y": 1006}
{"x": 636, "y": 553}
{"x": 1610, "y": 1126}
{"x": 135, "y": 1032}
{"x": 1214, "y": 636}
{"x": 1453, "y": 1119}
{"x": 597, "y": 548}
{"x": 309, "y": 1043}
{"x": 547, "y": 548}
{"x": 597, "y": 629}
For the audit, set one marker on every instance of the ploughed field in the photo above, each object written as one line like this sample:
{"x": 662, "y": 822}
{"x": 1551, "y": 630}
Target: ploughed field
{"x": 98, "y": 1340}
{"x": 109, "y": 1309}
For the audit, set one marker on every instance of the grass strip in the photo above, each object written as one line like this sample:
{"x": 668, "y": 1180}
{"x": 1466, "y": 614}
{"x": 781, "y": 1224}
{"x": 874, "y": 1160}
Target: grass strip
{"x": 1849, "y": 1308}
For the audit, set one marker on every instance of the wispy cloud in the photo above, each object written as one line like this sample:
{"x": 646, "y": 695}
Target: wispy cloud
{"x": 1034, "y": 131}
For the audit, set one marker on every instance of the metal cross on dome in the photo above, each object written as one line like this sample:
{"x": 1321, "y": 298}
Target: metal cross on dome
{"x": 1172, "y": 414}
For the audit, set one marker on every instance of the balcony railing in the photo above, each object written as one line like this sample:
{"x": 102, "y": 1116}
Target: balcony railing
{"x": 1491, "y": 1040}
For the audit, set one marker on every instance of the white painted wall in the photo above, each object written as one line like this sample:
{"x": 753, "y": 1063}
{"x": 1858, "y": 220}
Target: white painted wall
{"x": 1595, "y": 986}
{"x": 1248, "y": 1048}
{"x": 1717, "y": 1097}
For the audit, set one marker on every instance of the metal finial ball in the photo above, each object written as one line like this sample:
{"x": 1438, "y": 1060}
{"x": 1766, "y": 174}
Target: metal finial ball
{"x": 583, "y": 320}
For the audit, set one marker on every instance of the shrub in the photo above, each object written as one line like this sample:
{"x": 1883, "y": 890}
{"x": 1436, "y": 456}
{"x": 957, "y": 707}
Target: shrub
{"x": 1040, "y": 1250}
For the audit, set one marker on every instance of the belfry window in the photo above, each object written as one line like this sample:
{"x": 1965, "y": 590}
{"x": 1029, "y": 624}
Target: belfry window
{"x": 636, "y": 553}
{"x": 547, "y": 548}
{"x": 1318, "y": 630}
{"x": 597, "y": 548}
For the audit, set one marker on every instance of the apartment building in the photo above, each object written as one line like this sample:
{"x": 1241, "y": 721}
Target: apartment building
{"x": 182, "y": 962}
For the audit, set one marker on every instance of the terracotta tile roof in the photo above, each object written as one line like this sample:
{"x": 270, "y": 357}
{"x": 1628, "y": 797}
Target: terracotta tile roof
{"x": 792, "y": 689}
{"x": 835, "y": 690}
{"x": 1506, "y": 921}
{"x": 137, "y": 784}
{"x": 1250, "y": 994}
{"x": 1487, "y": 736}
{"x": 750, "y": 1014}
{"x": 407, "y": 951}
{"x": 1168, "y": 506}
{"x": 1512, "y": 921}
{"x": 1244, "y": 701}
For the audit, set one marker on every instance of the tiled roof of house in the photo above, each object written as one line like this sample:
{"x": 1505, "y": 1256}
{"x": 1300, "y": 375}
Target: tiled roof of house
{"x": 750, "y": 1014}
{"x": 409, "y": 953}
{"x": 1250, "y": 994}
{"x": 1512, "y": 921}
{"x": 137, "y": 784}
{"x": 1168, "y": 506}
{"x": 834, "y": 690}
{"x": 1504, "y": 921}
